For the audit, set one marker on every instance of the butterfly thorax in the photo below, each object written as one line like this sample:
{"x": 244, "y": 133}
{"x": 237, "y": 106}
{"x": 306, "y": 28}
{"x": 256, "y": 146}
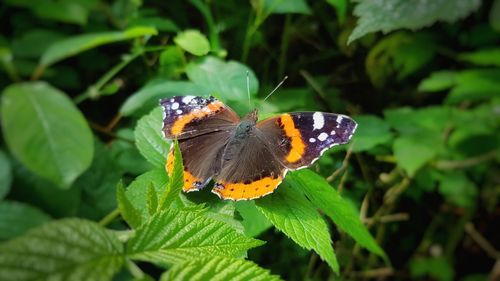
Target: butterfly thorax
{"x": 240, "y": 136}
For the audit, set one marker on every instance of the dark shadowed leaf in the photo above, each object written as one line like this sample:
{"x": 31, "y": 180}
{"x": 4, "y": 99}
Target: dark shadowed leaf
{"x": 16, "y": 218}
{"x": 326, "y": 198}
{"x": 5, "y": 174}
{"x": 389, "y": 15}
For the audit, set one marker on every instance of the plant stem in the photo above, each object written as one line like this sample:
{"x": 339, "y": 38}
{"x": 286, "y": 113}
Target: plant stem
{"x": 285, "y": 37}
{"x": 109, "y": 217}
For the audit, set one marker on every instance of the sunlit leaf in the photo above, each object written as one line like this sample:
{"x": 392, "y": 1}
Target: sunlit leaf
{"x": 490, "y": 56}
{"x": 174, "y": 236}
{"x": 326, "y": 198}
{"x": 218, "y": 268}
{"x": 371, "y": 131}
{"x": 291, "y": 213}
{"x": 31, "y": 121}
{"x": 192, "y": 41}
{"x": 149, "y": 138}
{"x": 69, "y": 249}
{"x": 413, "y": 151}
{"x": 74, "y": 45}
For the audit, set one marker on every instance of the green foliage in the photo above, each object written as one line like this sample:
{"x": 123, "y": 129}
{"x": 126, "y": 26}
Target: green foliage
{"x": 324, "y": 197}
{"x": 149, "y": 138}
{"x": 5, "y": 174}
{"x": 77, "y": 44}
{"x": 16, "y": 218}
{"x": 295, "y": 216}
{"x": 175, "y": 236}
{"x": 388, "y": 15}
{"x": 67, "y": 250}
{"x": 413, "y": 195}
{"x": 217, "y": 268}
{"x": 192, "y": 41}
{"x": 46, "y": 145}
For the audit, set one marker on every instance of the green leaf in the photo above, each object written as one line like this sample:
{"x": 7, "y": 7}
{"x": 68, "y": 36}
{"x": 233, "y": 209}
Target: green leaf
{"x": 438, "y": 81}
{"x": 74, "y": 45}
{"x": 160, "y": 23}
{"x": 340, "y": 7}
{"x": 98, "y": 184}
{"x": 69, "y": 249}
{"x": 389, "y": 15}
{"x": 127, "y": 210}
{"x": 227, "y": 80}
{"x": 490, "y": 56}
{"x": 326, "y": 198}
{"x": 137, "y": 191}
{"x": 32, "y": 127}
{"x": 22, "y": 46}
{"x": 475, "y": 85}
{"x": 436, "y": 267}
{"x": 399, "y": 54}
{"x": 149, "y": 138}
{"x": 217, "y": 268}
{"x": 152, "y": 200}
{"x": 494, "y": 17}
{"x": 176, "y": 180}
{"x": 254, "y": 222}
{"x": 16, "y": 218}
{"x": 193, "y": 41}
{"x": 147, "y": 97}
{"x": 291, "y": 213}
{"x": 173, "y": 236}
{"x": 371, "y": 131}
{"x": 5, "y": 174}
{"x": 287, "y": 7}
{"x": 413, "y": 151}
{"x": 458, "y": 189}
{"x": 44, "y": 194}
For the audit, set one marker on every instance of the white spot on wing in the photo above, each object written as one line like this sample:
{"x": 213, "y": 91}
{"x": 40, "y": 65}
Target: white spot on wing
{"x": 178, "y": 111}
{"x": 171, "y": 100}
{"x": 175, "y": 105}
{"x": 332, "y": 132}
{"x": 319, "y": 120}
{"x": 312, "y": 140}
{"x": 322, "y": 136}
{"x": 187, "y": 99}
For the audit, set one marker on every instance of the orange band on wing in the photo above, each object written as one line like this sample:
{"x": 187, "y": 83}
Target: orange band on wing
{"x": 189, "y": 179}
{"x": 183, "y": 120}
{"x": 297, "y": 146}
{"x": 242, "y": 191}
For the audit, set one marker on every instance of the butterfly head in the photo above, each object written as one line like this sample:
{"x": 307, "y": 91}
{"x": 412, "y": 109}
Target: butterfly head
{"x": 252, "y": 116}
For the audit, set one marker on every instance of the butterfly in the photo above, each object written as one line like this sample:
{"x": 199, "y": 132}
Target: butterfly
{"x": 245, "y": 158}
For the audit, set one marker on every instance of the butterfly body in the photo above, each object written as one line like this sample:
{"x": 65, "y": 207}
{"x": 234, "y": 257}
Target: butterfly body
{"x": 246, "y": 159}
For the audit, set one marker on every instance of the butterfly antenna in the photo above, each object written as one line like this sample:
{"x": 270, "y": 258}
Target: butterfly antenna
{"x": 248, "y": 88}
{"x": 282, "y": 81}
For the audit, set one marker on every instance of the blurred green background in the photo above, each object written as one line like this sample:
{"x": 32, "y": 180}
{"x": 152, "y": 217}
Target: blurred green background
{"x": 421, "y": 78}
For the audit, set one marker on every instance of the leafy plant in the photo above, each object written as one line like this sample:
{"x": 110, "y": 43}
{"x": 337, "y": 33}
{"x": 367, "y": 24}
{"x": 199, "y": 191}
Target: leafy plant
{"x": 83, "y": 187}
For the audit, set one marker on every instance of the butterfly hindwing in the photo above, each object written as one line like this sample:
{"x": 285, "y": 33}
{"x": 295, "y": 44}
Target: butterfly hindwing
{"x": 251, "y": 173}
{"x": 301, "y": 137}
{"x": 187, "y": 116}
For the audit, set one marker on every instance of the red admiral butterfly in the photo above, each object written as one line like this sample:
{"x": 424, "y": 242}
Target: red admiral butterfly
{"x": 247, "y": 159}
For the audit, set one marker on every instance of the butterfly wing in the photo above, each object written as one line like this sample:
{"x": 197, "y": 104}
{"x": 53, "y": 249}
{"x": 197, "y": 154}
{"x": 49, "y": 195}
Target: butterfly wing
{"x": 300, "y": 138}
{"x": 188, "y": 116}
{"x": 203, "y": 127}
{"x": 251, "y": 173}
{"x": 199, "y": 156}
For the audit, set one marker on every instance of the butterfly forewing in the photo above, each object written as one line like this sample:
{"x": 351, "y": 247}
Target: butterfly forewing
{"x": 300, "y": 138}
{"x": 188, "y": 116}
